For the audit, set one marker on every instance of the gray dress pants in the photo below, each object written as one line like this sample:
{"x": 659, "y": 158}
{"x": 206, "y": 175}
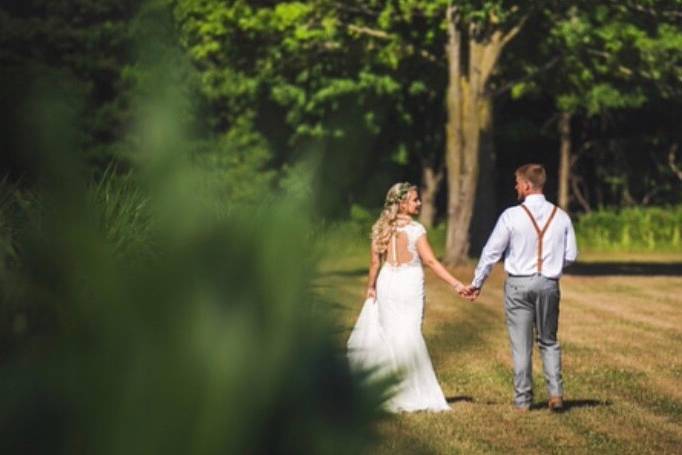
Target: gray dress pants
{"x": 533, "y": 303}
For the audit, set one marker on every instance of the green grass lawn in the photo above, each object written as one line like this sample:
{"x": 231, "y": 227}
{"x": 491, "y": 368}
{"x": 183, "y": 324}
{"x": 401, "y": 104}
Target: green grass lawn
{"x": 621, "y": 333}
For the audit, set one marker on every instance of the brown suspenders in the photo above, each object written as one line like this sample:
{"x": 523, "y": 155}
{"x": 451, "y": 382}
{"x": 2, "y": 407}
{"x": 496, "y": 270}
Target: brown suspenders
{"x": 541, "y": 233}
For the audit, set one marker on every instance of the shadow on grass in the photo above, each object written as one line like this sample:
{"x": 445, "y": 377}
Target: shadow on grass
{"x": 344, "y": 273}
{"x": 574, "y": 404}
{"x": 625, "y": 268}
{"x": 579, "y": 268}
{"x": 459, "y": 399}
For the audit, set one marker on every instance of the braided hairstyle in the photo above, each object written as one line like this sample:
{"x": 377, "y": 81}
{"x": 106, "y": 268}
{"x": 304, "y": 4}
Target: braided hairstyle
{"x": 385, "y": 226}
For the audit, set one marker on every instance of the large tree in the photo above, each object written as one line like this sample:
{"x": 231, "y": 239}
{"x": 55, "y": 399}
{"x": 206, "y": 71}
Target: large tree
{"x": 429, "y": 65}
{"x": 476, "y": 37}
{"x": 415, "y": 78}
{"x": 461, "y": 44}
{"x": 464, "y": 41}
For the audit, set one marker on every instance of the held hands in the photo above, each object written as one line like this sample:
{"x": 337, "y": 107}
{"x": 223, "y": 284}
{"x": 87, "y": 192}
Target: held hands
{"x": 472, "y": 293}
{"x": 469, "y": 292}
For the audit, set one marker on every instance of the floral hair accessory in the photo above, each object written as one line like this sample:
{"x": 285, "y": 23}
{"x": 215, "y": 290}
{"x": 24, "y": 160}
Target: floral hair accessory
{"x": 402, "y": 191}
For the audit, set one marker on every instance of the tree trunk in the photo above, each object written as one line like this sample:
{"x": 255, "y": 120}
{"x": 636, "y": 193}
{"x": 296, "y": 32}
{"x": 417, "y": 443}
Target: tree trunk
{"x": 564, "y": 159}
{"x": 476, "y": 118}
{"x": 469, "y": 106}
{"x": 431, "y": 178}
{"x": 454, "y": 141}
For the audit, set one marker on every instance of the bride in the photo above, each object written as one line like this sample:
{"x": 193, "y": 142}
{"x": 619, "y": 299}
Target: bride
{"x": 387, "y": 335}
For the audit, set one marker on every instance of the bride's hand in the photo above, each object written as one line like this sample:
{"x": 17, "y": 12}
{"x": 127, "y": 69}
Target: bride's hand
{"x": 470, "y": 293}
{"x": 371, "y": 293}
{"x": 464, "y": 291}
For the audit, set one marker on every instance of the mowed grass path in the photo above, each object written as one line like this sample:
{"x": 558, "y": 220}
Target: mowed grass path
{"x": 622, "y": 360}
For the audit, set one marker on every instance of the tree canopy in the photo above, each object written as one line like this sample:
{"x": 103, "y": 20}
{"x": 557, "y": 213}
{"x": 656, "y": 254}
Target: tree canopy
{"x": 451, "y": 96}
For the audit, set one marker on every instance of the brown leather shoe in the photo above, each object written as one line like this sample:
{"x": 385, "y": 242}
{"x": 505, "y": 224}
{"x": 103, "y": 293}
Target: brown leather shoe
{"x": 556, "y": 403}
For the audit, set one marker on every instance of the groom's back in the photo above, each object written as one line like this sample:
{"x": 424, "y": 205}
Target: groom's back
{"x": 541, "y": 238}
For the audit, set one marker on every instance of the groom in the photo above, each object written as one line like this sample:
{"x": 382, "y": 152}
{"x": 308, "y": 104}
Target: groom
{"x": 537, "y": 241}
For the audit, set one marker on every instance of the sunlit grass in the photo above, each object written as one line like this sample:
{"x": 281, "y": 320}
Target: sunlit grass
{"x": 621, "y": 340}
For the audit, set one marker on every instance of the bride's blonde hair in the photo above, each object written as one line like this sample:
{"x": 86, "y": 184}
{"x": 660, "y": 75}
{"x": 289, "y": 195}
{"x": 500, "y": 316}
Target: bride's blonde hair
{"x": 386, "y": 224}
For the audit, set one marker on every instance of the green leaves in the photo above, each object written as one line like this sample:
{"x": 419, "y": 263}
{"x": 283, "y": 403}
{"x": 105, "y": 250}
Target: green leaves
{"x": 614, "y": 57}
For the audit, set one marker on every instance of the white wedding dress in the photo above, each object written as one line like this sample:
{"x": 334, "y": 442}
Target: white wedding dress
{"x": 387, "y": 335}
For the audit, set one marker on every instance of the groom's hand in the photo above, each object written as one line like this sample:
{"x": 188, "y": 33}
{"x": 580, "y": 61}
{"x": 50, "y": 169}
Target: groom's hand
{"x": 470, "y": 293}
{"x": 464, "y": 292}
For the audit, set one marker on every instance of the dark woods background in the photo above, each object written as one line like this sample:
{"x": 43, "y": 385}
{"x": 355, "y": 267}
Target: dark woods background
{"x": 365, "y": 135}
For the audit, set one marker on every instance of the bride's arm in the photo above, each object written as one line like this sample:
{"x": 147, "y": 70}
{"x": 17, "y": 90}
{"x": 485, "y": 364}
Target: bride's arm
{"x": 429, "y": 259}
{"x": 374, "y": 264}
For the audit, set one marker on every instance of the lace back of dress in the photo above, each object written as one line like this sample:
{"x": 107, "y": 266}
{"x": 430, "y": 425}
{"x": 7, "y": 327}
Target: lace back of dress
{"x": 399, "y": 249}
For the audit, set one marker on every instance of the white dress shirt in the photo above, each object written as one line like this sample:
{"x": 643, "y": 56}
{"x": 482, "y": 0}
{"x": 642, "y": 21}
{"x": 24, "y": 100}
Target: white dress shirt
{"x": 515, "y": 238}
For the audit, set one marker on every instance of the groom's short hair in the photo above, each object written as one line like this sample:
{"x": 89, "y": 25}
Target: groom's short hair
{"x": 534, "y": 173}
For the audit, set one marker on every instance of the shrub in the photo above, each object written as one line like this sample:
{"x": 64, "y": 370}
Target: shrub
{"x": 631, "y": 229}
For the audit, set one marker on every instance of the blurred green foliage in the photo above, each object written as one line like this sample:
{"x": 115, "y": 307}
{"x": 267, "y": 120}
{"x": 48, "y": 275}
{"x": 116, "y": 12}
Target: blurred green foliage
{"x": 149, "y": 311}
{"x": 214, "y": 343}
{"x": 631, "y": 229}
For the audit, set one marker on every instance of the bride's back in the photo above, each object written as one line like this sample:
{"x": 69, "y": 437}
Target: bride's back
{"x": 402, "y": 247}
